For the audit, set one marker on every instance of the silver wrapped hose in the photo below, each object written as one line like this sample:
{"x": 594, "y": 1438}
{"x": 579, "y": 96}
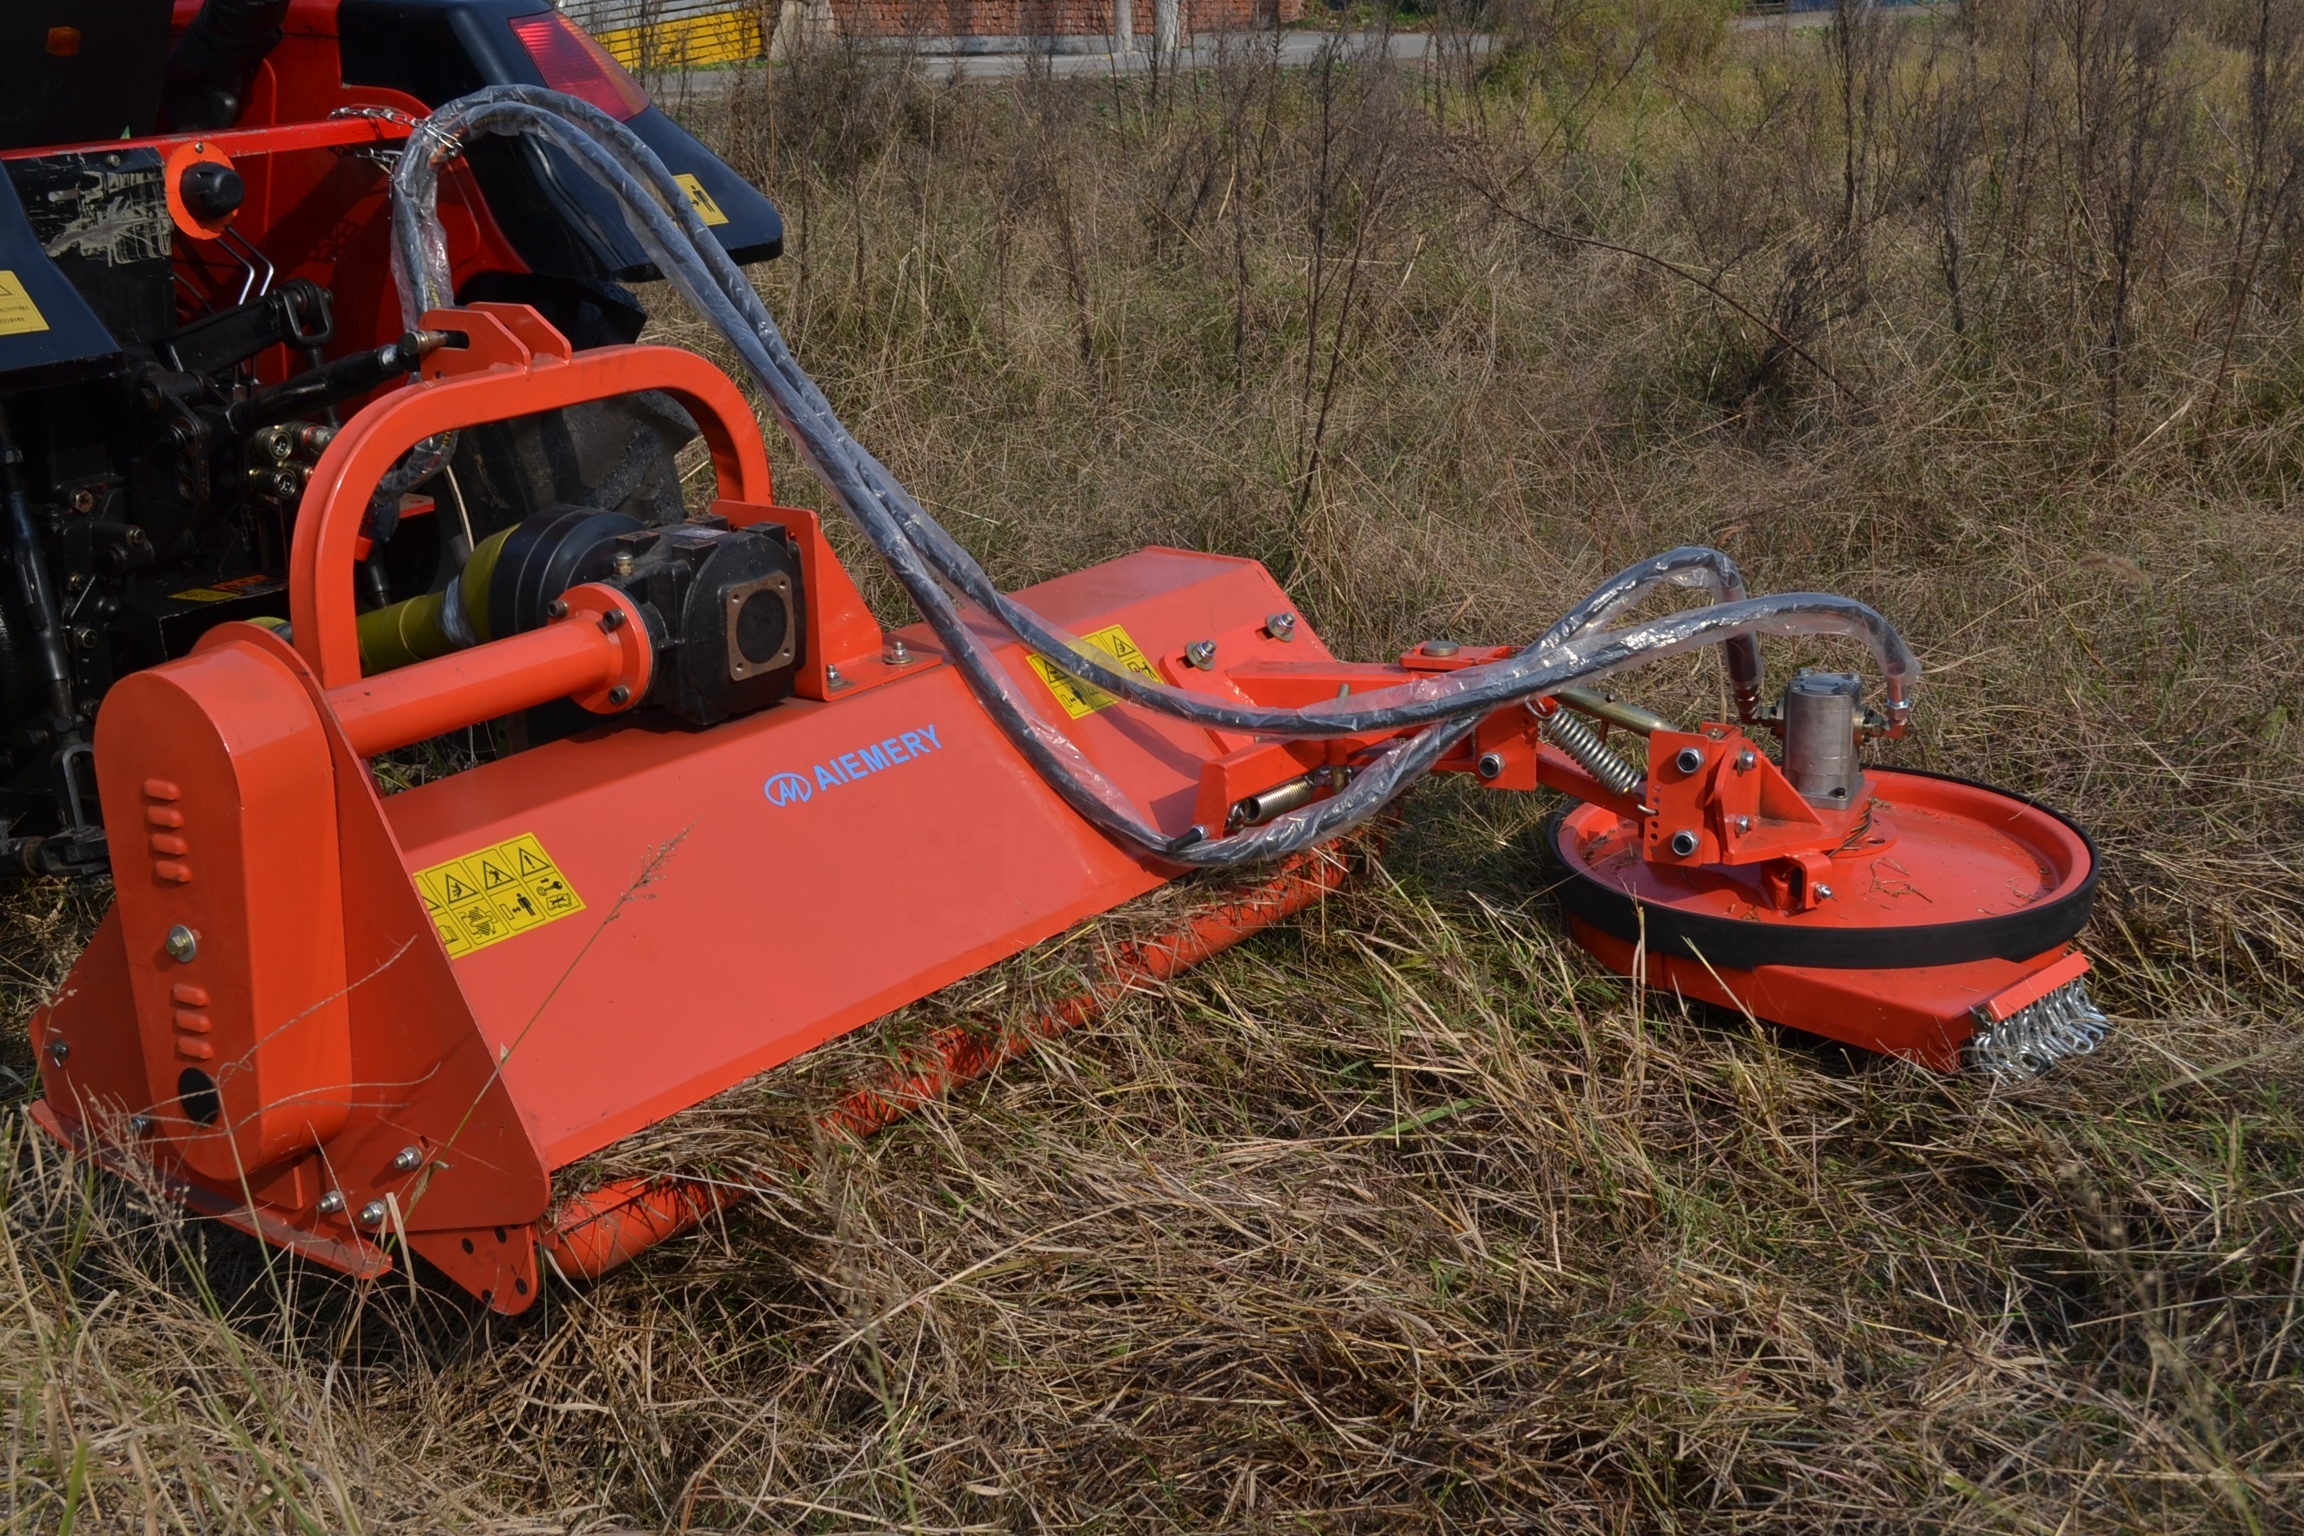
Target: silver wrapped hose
{"x": 924, "y": 557}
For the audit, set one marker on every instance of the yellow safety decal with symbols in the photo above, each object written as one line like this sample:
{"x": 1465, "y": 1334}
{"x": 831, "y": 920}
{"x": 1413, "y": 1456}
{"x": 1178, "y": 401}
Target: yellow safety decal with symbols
{"x": 1080, "y": 700}
{"x": 491, "y": 894}
{"x": 19, "y": 316}
{"x": 225, "y": 591}
{"x": 700, "y": 200}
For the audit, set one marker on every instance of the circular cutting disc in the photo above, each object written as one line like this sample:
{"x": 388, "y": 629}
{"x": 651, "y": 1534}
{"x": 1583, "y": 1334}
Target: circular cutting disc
{"x": 1942, "y": 872}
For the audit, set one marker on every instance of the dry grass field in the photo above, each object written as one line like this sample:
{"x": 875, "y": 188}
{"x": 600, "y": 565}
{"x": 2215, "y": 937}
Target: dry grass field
{"x": 1406, "y": 1217}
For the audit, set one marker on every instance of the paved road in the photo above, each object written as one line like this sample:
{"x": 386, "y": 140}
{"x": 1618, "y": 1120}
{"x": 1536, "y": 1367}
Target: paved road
{"x": 999, "y": 58}
{"x": 988, "y": 59}
{"x": 1205, "y": 52}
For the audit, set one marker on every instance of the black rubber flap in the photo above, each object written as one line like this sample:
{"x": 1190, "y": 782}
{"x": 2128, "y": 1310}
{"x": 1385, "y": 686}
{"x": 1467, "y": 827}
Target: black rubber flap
{"x": 1735, "y": 945}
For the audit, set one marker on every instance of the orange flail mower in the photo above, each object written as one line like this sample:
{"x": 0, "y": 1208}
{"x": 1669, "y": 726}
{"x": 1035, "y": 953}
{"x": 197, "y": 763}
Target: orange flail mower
{"x": 748, "y": 820}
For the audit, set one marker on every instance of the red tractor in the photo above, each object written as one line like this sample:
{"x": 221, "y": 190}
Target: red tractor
{"x": 196, "y": 287}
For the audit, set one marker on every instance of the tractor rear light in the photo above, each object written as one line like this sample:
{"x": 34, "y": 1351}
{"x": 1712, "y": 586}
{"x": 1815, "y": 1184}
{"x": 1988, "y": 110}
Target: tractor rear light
{"x": 572, "y": 60}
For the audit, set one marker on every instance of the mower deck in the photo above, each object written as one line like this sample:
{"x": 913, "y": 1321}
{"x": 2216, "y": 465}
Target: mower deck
{"x": 351, "y": 1022}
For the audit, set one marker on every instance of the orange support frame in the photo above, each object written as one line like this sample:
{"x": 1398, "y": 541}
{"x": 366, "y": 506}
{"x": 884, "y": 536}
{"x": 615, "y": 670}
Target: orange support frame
{"x": 511, "y": 363}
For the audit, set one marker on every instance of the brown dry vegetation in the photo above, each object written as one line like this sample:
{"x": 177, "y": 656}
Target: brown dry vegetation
{"x": 1406, "y": 1217}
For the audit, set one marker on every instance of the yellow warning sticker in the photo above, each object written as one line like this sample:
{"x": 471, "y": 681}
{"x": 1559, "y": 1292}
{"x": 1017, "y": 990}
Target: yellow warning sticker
{"x": 19, "y": 316}
{"x": 1080, "y": 700}
{"x": 491, "y": 894}
{"x": 700, "y": 200}
{"x": 225, "y": 591}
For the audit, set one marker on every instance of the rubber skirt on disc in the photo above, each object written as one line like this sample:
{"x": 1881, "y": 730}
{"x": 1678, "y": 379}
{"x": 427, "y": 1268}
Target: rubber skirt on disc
{"x": 1947, "y": 871}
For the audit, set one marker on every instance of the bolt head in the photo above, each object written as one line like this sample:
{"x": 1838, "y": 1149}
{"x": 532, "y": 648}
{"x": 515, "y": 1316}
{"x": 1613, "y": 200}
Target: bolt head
{"x": 1823, "y": 893}
{"x": 1281, "y": 626}
{"x": 1743, "y": 823}
{"x": 1201, "y": 653}
{"x": 896, "y": 653}
{"x": 1490, "y": 766}
{"x": 622, "y": 564}
{"x": 833, "y": 679}
{"x": 1689, "y": 759}
{"x": 139, "y": 1125}
{"x": 408, "y": 1159}
{"x": 1684, "y": 843}
{"x": 330, "y": 1203}
{"x": 372, "y": 1214}
{"x": 1746, "y": 760}
{"x": 182, "y": 943}
{"x": 59, "y": 1051}
{"x": 556, "y": 609}
{"x": 1441, "y": 647}
{"x": 619, "y": 695}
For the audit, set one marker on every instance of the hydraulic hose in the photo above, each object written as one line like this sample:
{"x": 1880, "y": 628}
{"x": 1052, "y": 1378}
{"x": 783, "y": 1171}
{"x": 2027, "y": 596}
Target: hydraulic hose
{"x": 923, "y": 556}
